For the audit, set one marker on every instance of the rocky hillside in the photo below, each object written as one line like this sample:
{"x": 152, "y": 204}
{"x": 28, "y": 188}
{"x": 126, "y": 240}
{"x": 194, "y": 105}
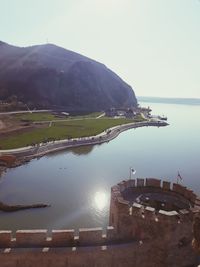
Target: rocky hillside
{"x": 48, "y": 76}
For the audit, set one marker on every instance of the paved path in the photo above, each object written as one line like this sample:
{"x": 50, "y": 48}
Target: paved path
{"x": 70, "y": 119}
{"x": 24, "y": 111}
{"x": 62, "y": 120}
{"x": 109, "y": 134}
{"x": 101, "y": 115}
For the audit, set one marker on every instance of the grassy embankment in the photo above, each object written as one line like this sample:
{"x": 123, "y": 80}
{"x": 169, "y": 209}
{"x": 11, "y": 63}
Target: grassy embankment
{"x": 81, "y": 127}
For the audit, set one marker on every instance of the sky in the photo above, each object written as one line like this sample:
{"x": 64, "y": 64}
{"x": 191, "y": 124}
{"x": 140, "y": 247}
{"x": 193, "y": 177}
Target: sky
{"x": 154, "y": 45}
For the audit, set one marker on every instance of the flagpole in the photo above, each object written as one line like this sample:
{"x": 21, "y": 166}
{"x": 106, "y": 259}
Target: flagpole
{"x": 179, "y": 178}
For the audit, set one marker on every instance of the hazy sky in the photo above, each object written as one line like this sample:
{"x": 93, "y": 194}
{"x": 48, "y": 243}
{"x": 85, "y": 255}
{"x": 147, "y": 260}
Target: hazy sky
{"x": 154, "y": 45}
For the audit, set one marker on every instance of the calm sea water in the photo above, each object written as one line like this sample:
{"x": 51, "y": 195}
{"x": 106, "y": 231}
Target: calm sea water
{"x": 77, "y": 182}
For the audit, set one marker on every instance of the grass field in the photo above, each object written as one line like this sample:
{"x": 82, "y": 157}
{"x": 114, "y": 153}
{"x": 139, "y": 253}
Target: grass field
{"x": 47, "y": 116}
{"x": 39, "y": 116}
{"x": 73, "y": 127}
{"x": 61, "y": 130}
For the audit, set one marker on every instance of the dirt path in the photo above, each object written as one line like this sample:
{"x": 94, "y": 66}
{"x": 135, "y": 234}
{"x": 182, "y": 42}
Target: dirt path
{"x": 101, "y": 115}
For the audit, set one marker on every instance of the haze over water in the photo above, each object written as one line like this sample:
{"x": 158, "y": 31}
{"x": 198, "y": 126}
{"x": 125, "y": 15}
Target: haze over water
{"x": 77, "y": 182}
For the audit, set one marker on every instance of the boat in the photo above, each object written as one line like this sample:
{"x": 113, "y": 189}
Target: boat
{"x": 163, "y": 118}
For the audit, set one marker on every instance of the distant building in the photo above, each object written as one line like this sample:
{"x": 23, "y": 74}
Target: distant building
{"x": 127, "y": 113}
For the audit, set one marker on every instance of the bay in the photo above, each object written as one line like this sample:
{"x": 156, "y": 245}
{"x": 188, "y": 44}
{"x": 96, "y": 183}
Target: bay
{"x": 77, "y": 182}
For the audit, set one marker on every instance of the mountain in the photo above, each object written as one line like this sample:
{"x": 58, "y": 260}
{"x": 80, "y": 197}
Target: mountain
{"x": 48, "y": 76}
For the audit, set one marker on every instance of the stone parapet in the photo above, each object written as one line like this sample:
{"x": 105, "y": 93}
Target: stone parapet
{"x": 57, "y": 238}
{"x": 140, "y": 254}
{"x": 153, "y": 182}
{"x": 180, "y": 189}
{"x": 170, "y": 216}
{"x": 148, "y": 185}
{"x": 62, "y": 238}
{"x": 5, "y": 239}
{"x": 137, "y": 209}
{"x": 110, "y": 234}
{"x": 29, "y": 238}
{"x": 166, "y": 185}
{"x": 89, "y": 236}
{"x": 140, "y": 182}
{"x": 149, "y": 213}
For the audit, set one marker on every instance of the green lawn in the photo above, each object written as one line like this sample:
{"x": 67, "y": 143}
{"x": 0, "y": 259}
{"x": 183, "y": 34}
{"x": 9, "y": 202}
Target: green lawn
{"x": 47, "y": 116}
{"x": 39, "y": 116}
{"x": 91, "y": 115}
{"x": 61, "y": 130}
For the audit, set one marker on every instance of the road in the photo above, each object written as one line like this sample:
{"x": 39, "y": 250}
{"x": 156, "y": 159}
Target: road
{"x": 23, "y": 111}
{"x": 101, "y": 115}
{"x": 106, "y": 136}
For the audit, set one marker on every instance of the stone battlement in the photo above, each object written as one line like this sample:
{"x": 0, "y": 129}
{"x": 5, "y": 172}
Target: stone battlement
{"x": 121, "y": 255}
{"x": 152, "y": 185}
{"x": 56, "y": 238}
{"x": 140, "y": 208}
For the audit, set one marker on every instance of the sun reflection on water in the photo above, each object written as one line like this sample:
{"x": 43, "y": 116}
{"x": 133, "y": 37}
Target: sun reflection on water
{"x": 100, "y": 200}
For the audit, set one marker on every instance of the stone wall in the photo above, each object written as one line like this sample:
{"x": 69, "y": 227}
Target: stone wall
{"x": 57, "y": 238}
{"x": 132, "y": 254}
{"x": 125, "y": 216}
{"x": 170, "y": 230}
{"x": 138, "y": 236}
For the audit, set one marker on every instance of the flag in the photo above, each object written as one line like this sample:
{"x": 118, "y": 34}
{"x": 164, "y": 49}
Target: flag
{"x": 179, "y": 176}
{"x": 133, "y": 171}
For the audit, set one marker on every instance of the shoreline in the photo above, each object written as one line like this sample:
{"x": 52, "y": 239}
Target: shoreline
{"x": 28, "y": 153}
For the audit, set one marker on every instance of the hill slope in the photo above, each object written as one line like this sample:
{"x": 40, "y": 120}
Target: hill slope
{"x": 48, "y": 76}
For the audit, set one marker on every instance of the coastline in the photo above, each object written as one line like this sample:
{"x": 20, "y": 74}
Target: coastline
{"x": 28, "y": 153}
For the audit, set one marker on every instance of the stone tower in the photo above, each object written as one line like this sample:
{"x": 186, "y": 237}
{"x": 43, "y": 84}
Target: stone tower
{"x": 158, "y": 214}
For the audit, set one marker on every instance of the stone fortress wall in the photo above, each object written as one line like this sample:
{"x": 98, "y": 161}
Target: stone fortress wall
{"x": 138, "y": 235}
